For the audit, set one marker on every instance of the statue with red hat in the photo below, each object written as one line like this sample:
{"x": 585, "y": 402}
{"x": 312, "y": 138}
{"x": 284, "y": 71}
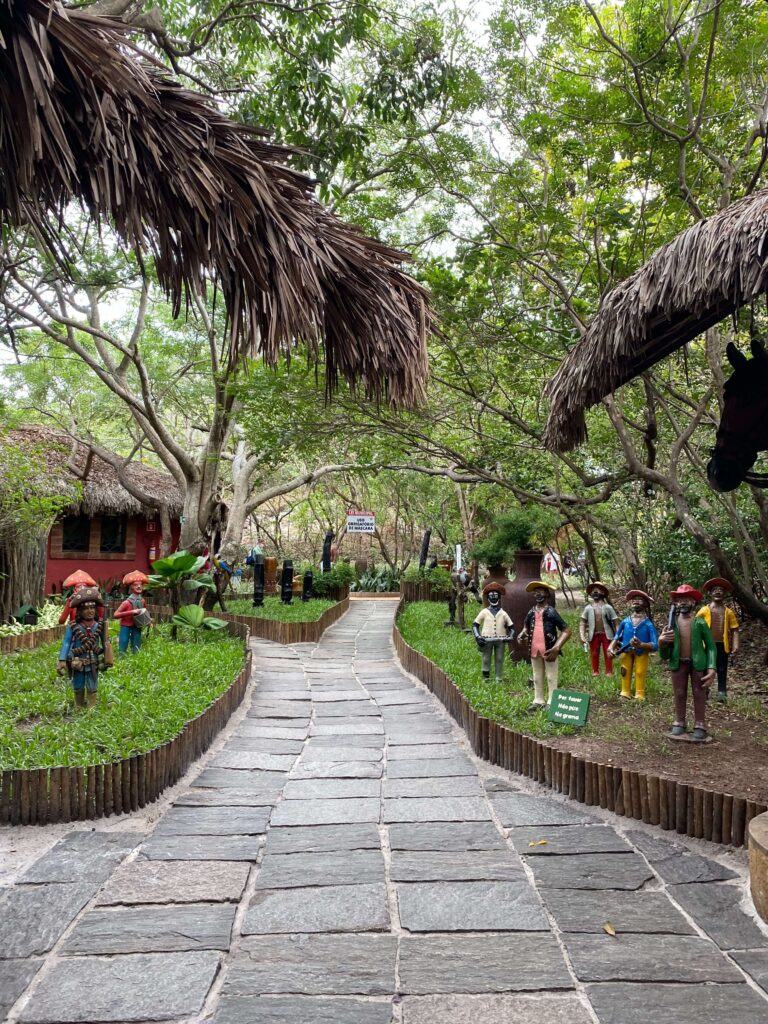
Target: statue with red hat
{"x": 724, "y": 626}
{"x": 77, "y": 580}
{"x": 634, "y": 642}
{"x": 132, "y": 613}
{"x": 82, "y": 651}
{"x": 493, "y": 630}
{"x": 689, "y": 648}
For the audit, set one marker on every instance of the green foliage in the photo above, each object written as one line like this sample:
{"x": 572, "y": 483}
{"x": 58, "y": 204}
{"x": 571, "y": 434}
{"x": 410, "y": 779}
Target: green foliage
{"x": 177, "y": 572}
{"x": 144, "y": 701}
{"x": 192, "y": 617}
{"x": 29, "y": 499}
{"x": 273, "y": 608}
{"x": 440, "y": 579}
{"x": 379, "y": 581}
{"x": 49, "y": 617}
{"x": 517, "y": 530}
{"x": 341, "y": 574}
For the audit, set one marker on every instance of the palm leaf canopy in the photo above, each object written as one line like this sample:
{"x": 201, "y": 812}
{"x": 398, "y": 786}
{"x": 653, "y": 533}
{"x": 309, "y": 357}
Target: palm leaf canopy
{"x": 704, "y": 274}
{"x": 86, "y": 116}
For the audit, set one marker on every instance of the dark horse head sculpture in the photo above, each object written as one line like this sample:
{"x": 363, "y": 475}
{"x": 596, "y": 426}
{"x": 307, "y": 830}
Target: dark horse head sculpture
{"x": 743, "y": 430}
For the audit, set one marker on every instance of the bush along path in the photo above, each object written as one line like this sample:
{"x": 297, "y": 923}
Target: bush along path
{"x": 343, "y": 859}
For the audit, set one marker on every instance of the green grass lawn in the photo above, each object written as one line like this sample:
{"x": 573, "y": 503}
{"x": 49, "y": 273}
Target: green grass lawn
{"x": 144, "y": 701}
{"x": 421, "y": 625}
{"x": 273, "y": 608}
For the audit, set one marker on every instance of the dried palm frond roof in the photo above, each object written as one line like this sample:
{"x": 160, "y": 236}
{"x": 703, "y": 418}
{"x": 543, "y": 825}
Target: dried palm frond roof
{"x": 691, "y": 283}
{"x": 66, "y": 463}
{"x": 85, "y": 115}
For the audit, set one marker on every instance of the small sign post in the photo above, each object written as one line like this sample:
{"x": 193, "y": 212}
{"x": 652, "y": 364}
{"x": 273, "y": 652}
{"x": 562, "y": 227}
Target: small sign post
{"x": 360, "y": 522}
{"x": 569, "y": 707}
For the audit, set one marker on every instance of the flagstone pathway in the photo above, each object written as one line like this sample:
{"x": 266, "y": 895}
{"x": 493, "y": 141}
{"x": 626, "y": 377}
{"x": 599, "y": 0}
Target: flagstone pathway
{"x": 343, "y": 859}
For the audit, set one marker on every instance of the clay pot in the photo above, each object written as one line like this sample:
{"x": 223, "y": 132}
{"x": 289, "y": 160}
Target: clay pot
{"x": 270, "y": 575}
{"x": 516, "y": 602}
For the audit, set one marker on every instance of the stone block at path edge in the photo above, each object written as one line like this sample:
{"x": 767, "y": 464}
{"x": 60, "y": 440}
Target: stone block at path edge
{"x": 497, "y": 1009}
{"x": 213, "y": 821}
{"x": 715, "y": 908}
{"x": 591, "y": 871}
{"x": 579, "y": 910}
{"x": 649, "y": 958}
{"x": 152, "y": 929}
{"x": 157, "y": 881}
{"x": 301, "y": 1010}
{"x": 521, "y": 809}
{"x": 15, "y": 975}
{"x": 83, "y": 857}
{"x": 618, "y": 1003}
{"x": 33, "y": 918}
{"x": 151, "y": 986}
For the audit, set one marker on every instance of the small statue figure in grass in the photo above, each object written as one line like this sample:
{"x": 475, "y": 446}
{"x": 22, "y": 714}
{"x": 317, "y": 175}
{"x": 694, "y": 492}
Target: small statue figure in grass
{"x": 690, "y": 650}
{"x": 82, "y": 649}
{"x": 635, "y": 640}
{"x": 597, "y": 627}
{"x": 493, "y": 630}
{"x": 462, "y": 585}
{"x": 77, "y": 580}
{"x": 542, "y": 625}
{"x": 724, "y": 626}
{"x": 132, "y": 614}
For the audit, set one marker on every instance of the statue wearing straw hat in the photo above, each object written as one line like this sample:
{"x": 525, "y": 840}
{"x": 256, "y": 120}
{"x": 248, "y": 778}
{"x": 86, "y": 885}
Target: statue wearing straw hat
{"x": 493, "y": 630}
{"x": 132, "y": 614}
{"x": 690, "y": 650}
{"x": 635, "y": 640}
{"x": 542, "y": 625}
{"x": 724, "y": 627}
{"x": 597, "y": 626}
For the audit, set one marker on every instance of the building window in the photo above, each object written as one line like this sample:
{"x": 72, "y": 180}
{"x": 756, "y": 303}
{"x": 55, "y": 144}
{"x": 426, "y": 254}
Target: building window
{"x": 76, "y": 533}
{"x": 112, "y": 535}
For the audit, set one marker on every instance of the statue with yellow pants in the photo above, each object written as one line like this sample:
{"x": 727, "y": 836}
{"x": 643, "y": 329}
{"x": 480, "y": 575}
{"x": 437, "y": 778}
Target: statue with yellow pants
{"x": 635, "y": 640}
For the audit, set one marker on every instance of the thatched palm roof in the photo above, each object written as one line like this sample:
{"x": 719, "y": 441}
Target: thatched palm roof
{"x": 102, "y": 492}
{"x": 694, "y": 281}
{"x": 86, "y": 116}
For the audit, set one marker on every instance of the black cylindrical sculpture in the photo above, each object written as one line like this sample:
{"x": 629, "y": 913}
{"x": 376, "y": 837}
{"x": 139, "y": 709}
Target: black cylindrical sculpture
{"x": 286, "y": 582}
{"x": 424, "y": 548}
{"x": 258, "y": 580}
{"x": 325, "y": 562}
{"x": 306, "y": 590}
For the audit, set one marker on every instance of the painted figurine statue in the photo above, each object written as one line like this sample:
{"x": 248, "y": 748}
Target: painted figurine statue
{"x": 82, "y": 649}
{"x": 132, "y": 613}
{"x": 636, "y": 639}
{"x": 597, "y": 626}
{"x": 541, "y": 628}
{"x": 493, "y": 630}
{"x": 690, "y": 650}
{"x": 77, "y": 580}
{"x": 724, "y": 626}
{"x": 462, "y": 585}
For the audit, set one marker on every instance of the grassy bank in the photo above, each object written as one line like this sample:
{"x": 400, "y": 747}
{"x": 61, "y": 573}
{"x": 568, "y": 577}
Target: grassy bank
{"x": 144, "y": 701}
{"x": 274, "y": 609}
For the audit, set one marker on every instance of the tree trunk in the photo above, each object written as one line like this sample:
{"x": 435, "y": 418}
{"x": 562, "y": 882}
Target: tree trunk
{"x": 22, "y": 575}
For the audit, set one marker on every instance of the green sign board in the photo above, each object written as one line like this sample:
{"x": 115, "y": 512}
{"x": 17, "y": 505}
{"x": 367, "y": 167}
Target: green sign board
{"x": 569, "y": 707}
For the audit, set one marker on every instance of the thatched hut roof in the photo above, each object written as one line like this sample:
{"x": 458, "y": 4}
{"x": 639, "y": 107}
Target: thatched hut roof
{"x": 86, "y": 116}
{"x": 102, "y": 492}
{"x": 694, "y": 281}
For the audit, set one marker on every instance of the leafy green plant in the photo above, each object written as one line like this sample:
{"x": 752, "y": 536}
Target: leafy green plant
{"x": 49, "y": 617}
{"x": 177, "y": 572}
{"x": 192, "y": 616}
{"x": 273, "y": 608}
{"x": 440, "y": 579}
{"x": 378, "y": 581}
{"x": 518, "y": 530}
{"x": 342, "y": 574}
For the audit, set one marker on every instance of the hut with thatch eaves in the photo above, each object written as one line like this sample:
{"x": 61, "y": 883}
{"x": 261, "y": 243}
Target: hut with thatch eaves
{"x": 704, "y": 274}
{"x": 106, "y": 529}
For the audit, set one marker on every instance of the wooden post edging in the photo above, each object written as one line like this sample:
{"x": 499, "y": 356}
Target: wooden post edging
{"x": 290, "y": 632}
{"x": 44, "y": 796}
{"x": 675, "y": 806}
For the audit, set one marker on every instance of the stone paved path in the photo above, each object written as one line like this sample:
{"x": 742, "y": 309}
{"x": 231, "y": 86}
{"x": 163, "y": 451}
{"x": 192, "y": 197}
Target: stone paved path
{"x": 342, "y": 860}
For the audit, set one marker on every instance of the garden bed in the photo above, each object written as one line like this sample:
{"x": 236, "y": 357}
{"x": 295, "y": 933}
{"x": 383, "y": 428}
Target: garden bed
{"x": 296, "y": 623}
{"x": 619, "y": 736}
{"x": 157, "y": 711}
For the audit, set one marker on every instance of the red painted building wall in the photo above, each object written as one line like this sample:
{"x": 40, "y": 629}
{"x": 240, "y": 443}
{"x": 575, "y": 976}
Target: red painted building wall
{"x": 141, "y": 535}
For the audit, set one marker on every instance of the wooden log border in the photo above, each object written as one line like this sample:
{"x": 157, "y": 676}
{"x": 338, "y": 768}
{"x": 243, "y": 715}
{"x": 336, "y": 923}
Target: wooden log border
{"x": 45, "y": 796}
{"x": 420, "y": 590}
{"x": 675, "y": 806}
{"x": 289, "y": 632}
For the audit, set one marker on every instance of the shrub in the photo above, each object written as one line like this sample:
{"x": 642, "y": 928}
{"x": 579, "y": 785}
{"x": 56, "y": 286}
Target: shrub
{"x": 518, "y": 530}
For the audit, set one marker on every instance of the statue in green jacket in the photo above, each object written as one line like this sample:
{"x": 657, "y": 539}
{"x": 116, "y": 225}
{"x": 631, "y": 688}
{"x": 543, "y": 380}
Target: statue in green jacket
{"x": 687, "y": 644}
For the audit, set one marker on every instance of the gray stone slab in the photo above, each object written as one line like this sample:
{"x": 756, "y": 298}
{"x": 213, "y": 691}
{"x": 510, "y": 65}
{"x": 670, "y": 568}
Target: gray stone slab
{"x": 295, "y": 870}
{"x": 15, "y": 976}
{"x": 326, "y": 812}
{"x": 424, "y": 752}
{"x": 262, "y": 721}
{"x": 347, "y": 727}
{"x": 151, "y": 930}
{"x": 202, "y": 848}
{"x": 341, "y": 753}
{"x": 338, "y": 770}
{"x": 509, "y": 962}
{"x": 502, "y": 1009}
{"x": 578, "y": 910}
{"x": 34, "y": 917}
{"x": 715, "y": 908}
{"x": 521, "y": 809}
{"x": 157, "y": 881}
{"x": 471, "y": 906}
{"x": 555, "y": 840}
{"x": 648, "y": 958}
{"x": 675, "y": 864}
{"x": 225, "y": 798}
{"x": 289, "y": 709}
{"x": 313, "y": 965}
{"x": 144, "y": 987}
{"x": 755, "y": 963}
{"x": 258, "y": 730}
{"x": 83, "y": 857}
{"x": 332, "y": 789}
{"x": 387, "y": 698}
{"x": 254, "y": 760}
{"x": 410, "y": 738}
{"x": 373, "y": 740}
{"x": 355, "y": 693}
{"x": 213, "y": 821}
{"x": 426, "y": 769}
{"x": 463, "y": 785}
{"x": 292, "y": 688}
{"x": 460, "y": 808}
{"x": 442, "y": 866}
{"x": 301, "y": 1010}
{"x": 324, "y": 838}
{"x": 677, "y": 1004}
{"x": 265, "y": 783}
{"x": 591, "y": 871}
{"x": 331, "y": 908}
{"x": 460, "y": 836}
{"x": 264, "y": 745}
